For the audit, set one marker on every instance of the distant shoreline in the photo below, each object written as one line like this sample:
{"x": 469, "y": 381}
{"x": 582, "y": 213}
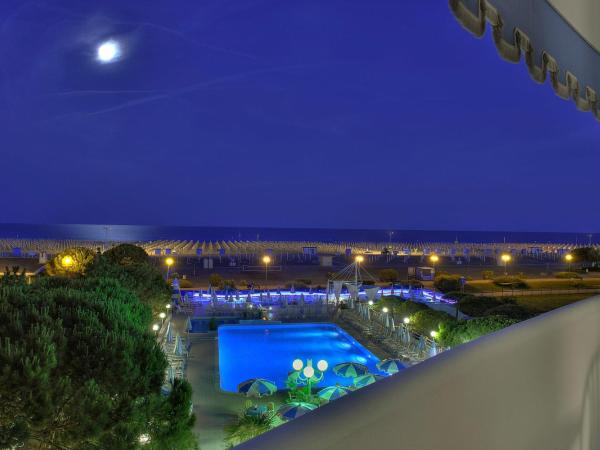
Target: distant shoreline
{"x": 145, "y": 233}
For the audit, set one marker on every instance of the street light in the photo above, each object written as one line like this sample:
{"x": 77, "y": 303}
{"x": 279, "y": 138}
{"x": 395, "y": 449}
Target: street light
{"x": 307, "y": 374}
{"x": 433, "y": 334}
{"x": 168, "y": 306}
{"x": 155, "y": 327}
{"x": 162, "y": 316}
{"x": 266, "y": 259}
{"x": 406, "y": 320}
{"x": 569, "y": 259}
{"x": 505, "y": 257}
{"x": 358, "y": 259}
{"x": 67, "y": 261}
{"x": 434, "y": 259}
{"x": 169, "y": 262}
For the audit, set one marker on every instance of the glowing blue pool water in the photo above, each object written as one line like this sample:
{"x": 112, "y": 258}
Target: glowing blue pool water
{"x": 267, "y": 351}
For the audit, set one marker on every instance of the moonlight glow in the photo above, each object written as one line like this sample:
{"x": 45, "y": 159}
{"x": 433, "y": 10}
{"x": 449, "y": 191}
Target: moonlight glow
{"x": 108, "y": 52}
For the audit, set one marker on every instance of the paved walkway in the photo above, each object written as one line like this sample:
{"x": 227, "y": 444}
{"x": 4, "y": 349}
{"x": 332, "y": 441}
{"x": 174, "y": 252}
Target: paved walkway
{"x": 527, "y": 292}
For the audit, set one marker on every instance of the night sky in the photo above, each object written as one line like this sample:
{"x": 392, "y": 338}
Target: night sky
{"x": 346, "y": 114}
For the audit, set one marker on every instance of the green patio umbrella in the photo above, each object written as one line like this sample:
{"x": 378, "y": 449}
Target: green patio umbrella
{"x": 350, "y": 369}
{"x": 293, "y": 410}
{"x": 390, "y": 366}
{"x": 257, "y": 387}
{"x": 332, "y": 392}
{"x": 365, "y": 380}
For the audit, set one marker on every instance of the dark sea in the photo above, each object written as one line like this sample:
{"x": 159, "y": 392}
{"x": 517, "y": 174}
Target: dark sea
{"x": 136, "y": 233}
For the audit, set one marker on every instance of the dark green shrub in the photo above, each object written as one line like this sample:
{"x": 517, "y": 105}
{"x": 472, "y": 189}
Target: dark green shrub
{"x": 475, "y": 306}
{"x": 127, "y": 254}
{"x": 567, "y": 275}
{"x": 456, "y": 333}
{"x": 212, "y": 324}
{"x": 509, "y": 311}
{"x": 388, "y": 275}
{"x": 447, "y": 283}
{"x": 428, "y": 320}
{"x": 487, "y": 274}
{"x": 510, "y": 281}
{"x": 399, "y": 307}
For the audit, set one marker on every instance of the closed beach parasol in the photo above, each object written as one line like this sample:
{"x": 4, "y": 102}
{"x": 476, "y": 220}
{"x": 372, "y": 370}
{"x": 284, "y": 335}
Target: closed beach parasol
{"x": 332, "y": 392}
{"x": 293, "y": 410}
{"x": 365, "y": 380}
{"x": 390, "y": 366}
{"x": 350, "y": 370}
{"x": 257, "y": 387}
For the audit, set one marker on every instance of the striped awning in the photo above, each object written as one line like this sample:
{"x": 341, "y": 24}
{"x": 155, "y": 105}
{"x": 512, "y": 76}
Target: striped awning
{"x": 555, "y": 38}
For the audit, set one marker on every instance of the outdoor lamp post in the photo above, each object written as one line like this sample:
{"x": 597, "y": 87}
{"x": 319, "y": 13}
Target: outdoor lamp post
{"x": 162, "y": 316}
{"x": 307, "y": 373}
{"x": 505, "y": 259}
{"x": 169, "y": 262}
{"x": 358, "y": 260}
{"x": 569, "y": 259}
{"x": 67, "y": 261}
{"x": 434, "y": 259}
{"x": 155, "y": 327}
{"x": 266, "y": 260}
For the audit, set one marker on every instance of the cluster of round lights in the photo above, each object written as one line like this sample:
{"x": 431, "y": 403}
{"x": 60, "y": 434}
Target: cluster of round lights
{"x": 308, "y": 371}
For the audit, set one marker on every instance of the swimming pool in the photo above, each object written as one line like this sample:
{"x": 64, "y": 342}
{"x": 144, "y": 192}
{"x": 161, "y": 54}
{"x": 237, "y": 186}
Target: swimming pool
{"x": 267, "y": 351}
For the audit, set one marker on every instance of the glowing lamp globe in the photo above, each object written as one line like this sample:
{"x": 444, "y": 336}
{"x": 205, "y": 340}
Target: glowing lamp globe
{"x": 155, "y": 327}
{"x": 370, "y": 302}
{"x": 569, "y": 257}
{"x": 169, "y": 262}
{"x": 168, "y": 306}
{"x": 144, "y": 439}
{"x": 308, "y": 372}
{"x": 506, "y": 257}
{"x": 297, "y": 364}
{"x": 67, "y": 261}
{"x": 433, "y": 334}
{"x": 322, "y": 365}
{"x": 434, "y": 258}
{"x": 266, "y": 259}
{"x": 359, "y": 258}
{"x": 385, "y": 310}
{"x": 162, "y": 315}
{"x": 406, "y": 320}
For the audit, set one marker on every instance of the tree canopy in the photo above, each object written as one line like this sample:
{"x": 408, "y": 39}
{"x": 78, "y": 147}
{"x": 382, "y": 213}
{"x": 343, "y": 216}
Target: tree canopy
{"x": 80, "y": 369}
{"x": 127, "y": 255}
{"x": 73, "y": 261}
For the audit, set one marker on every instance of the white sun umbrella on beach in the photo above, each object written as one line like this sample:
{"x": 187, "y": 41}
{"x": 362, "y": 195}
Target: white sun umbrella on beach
{"x": 285, "y": 300}
{"x": 301, "y": 302}
{"x": 214, "y": 298}
{"x": 237, "y": 296}
{"x": 260, "y": 297}
{"x": 248, "y": 298}
{"x": 371, "y": 293}
{"x": 188, "y": 325}
{"x": 169, "y": 334}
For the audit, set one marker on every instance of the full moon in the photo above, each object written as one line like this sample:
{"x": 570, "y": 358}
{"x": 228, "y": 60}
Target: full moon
{"x": 108, "y": 52}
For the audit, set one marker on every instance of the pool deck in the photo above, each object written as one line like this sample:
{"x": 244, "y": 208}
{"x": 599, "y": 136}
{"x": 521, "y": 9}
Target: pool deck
{"x": 215, "y": 408}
